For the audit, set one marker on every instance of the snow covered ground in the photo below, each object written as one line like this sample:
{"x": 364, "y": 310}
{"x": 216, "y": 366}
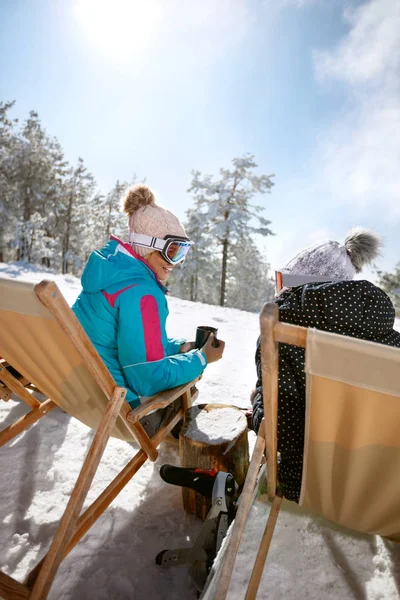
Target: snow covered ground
{"x": 309, "y": 558}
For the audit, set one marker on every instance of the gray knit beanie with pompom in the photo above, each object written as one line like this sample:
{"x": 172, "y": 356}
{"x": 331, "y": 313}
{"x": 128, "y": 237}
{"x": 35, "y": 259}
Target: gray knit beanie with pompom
{"x": 336, "y": 261}
{"x": 147, "y": 217}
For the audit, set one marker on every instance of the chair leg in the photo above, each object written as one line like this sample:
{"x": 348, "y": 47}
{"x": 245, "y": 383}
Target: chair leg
{"x": 103, "y": 501}
{"x": 187, "y": 400}
{"x": 240, "y": 519}
{"x": 144, "y": 441}
{"x": 96, "y": 509}
{"x": 263, "y": 549}
{"x": 65, "y": 531}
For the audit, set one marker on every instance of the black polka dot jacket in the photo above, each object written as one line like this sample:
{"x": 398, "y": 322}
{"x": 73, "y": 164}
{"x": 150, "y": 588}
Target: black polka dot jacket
{"x": 353, "y": 308}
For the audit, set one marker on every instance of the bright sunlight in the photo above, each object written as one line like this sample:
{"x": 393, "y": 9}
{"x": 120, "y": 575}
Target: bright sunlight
{"x": 121, "y": 29}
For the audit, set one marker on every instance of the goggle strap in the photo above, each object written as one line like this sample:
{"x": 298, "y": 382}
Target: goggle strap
{"x": 147, "y": 241}
{"x": 294, "y": 280}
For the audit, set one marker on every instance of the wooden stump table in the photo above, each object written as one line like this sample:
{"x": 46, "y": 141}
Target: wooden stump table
{"x": 213, "y": 436}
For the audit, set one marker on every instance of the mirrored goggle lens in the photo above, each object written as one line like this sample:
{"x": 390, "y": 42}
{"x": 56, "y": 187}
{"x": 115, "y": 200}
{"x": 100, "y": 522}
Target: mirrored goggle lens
{"x": 176, "y": 251}
{"x": 278, "y": 281}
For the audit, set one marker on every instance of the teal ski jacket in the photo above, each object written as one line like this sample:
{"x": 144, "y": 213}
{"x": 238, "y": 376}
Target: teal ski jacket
{"x": 123, "y": 309}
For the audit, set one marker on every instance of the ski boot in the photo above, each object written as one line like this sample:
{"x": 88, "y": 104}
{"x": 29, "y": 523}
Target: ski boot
{"x": 222, "y": 489}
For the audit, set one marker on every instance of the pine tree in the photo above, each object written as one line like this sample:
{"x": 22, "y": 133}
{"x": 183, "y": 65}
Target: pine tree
{"x": 195, "y": 279}
{"x": 115, "y": 220}
{"x": 7, "y": 183}
{"x": 52, "y": 199}
{"x": 225, "y": 205}
{"x": 34, "y": 174}
{"x": 49, "y": 211}
{"x": 31, "y": 167}
{"x": 79, "y": 188}
{"x": 249, "y": 284}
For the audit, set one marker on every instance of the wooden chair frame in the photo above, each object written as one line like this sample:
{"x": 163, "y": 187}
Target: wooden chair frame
{"x": 12, "y": 385}
{"x": 272, "y": 333}
{"x": 74, "y": 525}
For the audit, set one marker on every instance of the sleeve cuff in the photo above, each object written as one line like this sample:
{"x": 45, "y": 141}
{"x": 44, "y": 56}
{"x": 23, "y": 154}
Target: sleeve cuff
{"x": 202, "y": 358}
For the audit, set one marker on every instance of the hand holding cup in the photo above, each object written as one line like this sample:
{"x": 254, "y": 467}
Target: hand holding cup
{"x": 212, "y": 352}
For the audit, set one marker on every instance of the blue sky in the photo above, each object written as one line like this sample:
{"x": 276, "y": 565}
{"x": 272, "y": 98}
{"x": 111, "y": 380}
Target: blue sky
{"x": 160, "y": 87}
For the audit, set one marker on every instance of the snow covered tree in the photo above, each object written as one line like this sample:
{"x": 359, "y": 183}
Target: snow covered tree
{"x": 249, "y": 284}
{"x": 7, "y": 185}
{"x": 195, "y": 279}
{"x": 49, "y": 211}
{"x": 103, "y": 218}
{"x": 116, "y": 222}
{"x": 78, "y": 191}
{"x": 31, "y": 169}
{"x": 390, "y": 283}
{"x": 225, "y": 206}
{"x": 33, "y": 176}
{"x": 40, "y": 245}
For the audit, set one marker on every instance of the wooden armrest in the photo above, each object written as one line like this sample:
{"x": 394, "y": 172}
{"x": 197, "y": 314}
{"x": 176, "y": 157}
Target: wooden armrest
{"x": 161, "y": 400}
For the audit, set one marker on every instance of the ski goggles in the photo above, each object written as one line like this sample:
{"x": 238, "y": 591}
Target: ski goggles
{"x": 287, "y": 280}
{"x": 172, "y": 248}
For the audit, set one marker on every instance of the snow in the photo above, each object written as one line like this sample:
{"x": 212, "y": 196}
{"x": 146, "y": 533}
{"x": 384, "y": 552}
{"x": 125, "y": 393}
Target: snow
{"x": 216, "y": 426}
{"x": 309, "y": 558}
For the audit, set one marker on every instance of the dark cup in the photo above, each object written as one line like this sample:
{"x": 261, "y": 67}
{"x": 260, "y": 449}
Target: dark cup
{"x": 202, "y": 335}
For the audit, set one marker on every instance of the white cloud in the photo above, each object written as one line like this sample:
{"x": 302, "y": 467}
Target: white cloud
{"x": 370, "y": 53}
{"x": 359, "y": 155}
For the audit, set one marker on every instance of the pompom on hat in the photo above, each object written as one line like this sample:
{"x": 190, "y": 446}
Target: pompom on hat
{"x": 332, "y": 260}
{"x": 147, "y": 217}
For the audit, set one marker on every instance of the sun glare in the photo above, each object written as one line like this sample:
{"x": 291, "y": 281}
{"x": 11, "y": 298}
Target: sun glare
{"x": 121, "y": 29}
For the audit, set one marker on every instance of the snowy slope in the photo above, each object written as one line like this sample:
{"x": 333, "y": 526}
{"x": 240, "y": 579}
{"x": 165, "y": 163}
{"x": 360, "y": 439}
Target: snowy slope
{"x": 309, "y": 558}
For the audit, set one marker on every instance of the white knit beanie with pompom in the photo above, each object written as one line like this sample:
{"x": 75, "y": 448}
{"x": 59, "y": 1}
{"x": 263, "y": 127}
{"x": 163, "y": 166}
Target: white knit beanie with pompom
{"x": 331, "y": 259}
{"x": 147, "y": 217}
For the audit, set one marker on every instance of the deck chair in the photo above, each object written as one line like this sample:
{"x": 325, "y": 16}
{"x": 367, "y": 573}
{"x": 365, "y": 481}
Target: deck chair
{"x": 351, "y": 459}
{"x": 44, "y": 342}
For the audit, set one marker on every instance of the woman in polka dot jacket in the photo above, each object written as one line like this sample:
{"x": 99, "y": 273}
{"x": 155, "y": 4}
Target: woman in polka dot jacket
{"x": 337, "y": 304}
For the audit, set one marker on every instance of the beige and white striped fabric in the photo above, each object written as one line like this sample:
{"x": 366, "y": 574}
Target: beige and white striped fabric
{"x": 33, "y": 342}
{"x": 351, "y": 471}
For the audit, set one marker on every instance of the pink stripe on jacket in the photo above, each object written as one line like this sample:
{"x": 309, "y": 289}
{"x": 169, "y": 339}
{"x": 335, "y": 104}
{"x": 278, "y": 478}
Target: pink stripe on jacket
{"x": 151, "y": 328}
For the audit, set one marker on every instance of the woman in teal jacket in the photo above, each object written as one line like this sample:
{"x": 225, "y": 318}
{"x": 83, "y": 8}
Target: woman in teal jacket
{"x": 123, "y": 307}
